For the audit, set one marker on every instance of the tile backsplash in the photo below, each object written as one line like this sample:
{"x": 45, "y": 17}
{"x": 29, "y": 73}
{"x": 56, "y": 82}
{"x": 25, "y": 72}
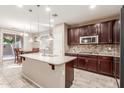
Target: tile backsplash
{"x": 103, "y": 48}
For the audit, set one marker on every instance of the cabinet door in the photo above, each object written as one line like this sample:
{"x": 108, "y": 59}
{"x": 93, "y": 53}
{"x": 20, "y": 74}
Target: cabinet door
{"x": 116, "y": 31}
{"x": 92, "y": 64}
{"x": 93, "y": 30}
{"x": 73, "y": 36}
{"x": 76, "y": 35}
{"x": 69, "y": 74}
{"x": 82, "y": 63}
{"x": 84, "y": 31}
{"x": 105, "y": 34}
{"x": 116, "y": 67}
{"x": 70, "y": 36}
{"x": 105, "y": 66}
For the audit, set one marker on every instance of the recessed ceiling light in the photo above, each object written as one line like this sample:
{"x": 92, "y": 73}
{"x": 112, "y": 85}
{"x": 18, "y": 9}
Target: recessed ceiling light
{"x": 92, "y": 6}
{"x": 20, "y": 6}
{"x": 48, "y": 9}
{"x": 52, "y": 20}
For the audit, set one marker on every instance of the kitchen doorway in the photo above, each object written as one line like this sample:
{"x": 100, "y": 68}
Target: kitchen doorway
{"x": 11, "y": 41}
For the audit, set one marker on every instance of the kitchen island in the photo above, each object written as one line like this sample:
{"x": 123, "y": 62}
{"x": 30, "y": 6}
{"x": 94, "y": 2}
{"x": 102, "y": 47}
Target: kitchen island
{"x": 48, "y": 71}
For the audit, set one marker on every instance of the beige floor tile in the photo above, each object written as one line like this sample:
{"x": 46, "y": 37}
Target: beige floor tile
{"x": 10, "y": 77}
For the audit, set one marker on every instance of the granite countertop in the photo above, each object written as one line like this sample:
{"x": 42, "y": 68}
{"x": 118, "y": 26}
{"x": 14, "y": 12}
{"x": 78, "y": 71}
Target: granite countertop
{"x": 55, "y": 60}
{"x": 99, "y": 54}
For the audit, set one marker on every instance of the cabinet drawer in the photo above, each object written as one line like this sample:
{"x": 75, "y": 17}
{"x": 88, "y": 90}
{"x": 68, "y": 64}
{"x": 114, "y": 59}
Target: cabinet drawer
{"x": 105, "y": 58}
{"x": 117, "y": 59}
{"x": 88, "y": 56}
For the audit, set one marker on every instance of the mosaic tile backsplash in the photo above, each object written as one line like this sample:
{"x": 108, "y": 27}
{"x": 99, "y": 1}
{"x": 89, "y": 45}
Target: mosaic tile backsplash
{"x": 103, "y": 48}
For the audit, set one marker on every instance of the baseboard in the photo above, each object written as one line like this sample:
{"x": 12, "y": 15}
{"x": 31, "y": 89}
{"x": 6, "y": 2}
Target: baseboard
{"x": 31, "y": 80}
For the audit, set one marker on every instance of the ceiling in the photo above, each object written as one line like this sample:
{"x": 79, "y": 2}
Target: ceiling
{"x": 12, "y": 16}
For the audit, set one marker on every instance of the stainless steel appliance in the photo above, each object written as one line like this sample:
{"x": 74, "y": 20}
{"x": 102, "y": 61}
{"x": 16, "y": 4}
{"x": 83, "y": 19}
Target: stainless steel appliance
{"x": 89, "y": 39}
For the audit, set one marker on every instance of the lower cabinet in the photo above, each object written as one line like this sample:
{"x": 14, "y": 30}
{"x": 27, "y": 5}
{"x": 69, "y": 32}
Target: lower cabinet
{"x": 88, "y": 62}
{"x": 105, "y": 65}
{"x": 69, "y": 74}
{"x": 81, "y": 63}
{"x": 99, "y": 64}
{"x": 92, "y": 64}
{"x": 116, "y": 67}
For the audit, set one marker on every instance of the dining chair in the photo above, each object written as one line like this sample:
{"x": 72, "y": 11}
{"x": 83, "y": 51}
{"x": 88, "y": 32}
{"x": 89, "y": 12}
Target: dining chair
{"x": 17, "y": 55}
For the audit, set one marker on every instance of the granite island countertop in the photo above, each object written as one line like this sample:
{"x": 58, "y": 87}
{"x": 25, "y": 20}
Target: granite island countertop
{"x": 55, "y": 60}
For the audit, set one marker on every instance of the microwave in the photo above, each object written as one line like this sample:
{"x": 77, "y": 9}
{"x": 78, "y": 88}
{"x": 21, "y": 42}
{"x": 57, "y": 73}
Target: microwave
{"x": 89, "y": 39}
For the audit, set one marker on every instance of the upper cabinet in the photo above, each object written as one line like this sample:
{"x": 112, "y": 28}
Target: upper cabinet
{"x": 90, "y": 30}
{"x": 73, "y": 36}
{"x": 105, "y": 33}
{"x": 83, "y": 31}
{"x": 116, "y": 31}
{"x": 108, "y": 32}
{"x": 93, "y": 29}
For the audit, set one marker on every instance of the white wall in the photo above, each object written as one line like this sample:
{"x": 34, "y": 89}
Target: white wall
{"x": 27, "y": 45}
{"x": 60, "y": 39}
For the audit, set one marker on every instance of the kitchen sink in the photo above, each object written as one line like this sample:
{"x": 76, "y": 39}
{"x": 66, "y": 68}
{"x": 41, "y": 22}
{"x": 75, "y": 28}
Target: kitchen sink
{"x": 50, "y": 55}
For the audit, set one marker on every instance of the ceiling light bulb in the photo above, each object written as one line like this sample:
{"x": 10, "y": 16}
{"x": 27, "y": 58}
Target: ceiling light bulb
{"x": 92, "y": 6}
{"x": 48, "y": 9}
{"x": 52, "y": 20}
{"x": 20, "y": 6}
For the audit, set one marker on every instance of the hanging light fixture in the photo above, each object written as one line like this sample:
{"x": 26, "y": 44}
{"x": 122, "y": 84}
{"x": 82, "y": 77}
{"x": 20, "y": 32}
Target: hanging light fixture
{"x": 50, "y": 20}
{"x": 38, "y": 37}
{"x": 30, "y": 40}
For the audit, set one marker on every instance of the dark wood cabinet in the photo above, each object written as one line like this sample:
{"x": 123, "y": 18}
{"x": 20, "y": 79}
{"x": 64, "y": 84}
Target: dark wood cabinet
{"x": 73, "y": 36}
{"x": 93, "y": 29}
{"x": 88, "y": 62}
{"x": 69, "y": 76}
{"x": 70, "y": 36}
{"x": 83, "y": 31}
{"x": 105, "y": 65}
{"x": 105, "y": 33}
{"x": 90, "y": 30}
{"x": 92, "y": 63}
{"x": 82, "y": 63}
{"x": 116, "y": 31}
{"x": 108, "y": 32}
{"x": 99, "y": 64}
{"x": 116, "y": 67}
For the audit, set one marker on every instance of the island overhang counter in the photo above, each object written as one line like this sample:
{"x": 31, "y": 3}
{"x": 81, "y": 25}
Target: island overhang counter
{"x": 48, "y": 71}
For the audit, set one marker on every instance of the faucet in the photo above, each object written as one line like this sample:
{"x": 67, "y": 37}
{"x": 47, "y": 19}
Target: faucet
{"x": 44, "y": 52}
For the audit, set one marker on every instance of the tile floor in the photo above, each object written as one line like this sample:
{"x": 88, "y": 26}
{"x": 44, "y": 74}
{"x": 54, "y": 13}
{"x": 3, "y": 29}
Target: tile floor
{"x": 85, "y": 79}
{"x": 10, "y": 77}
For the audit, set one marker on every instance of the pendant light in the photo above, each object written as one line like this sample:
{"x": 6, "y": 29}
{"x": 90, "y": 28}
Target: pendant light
{"x": 38, "y": 37}
{"x": 50, "y": 33}
{"x": 30, "y": 40}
